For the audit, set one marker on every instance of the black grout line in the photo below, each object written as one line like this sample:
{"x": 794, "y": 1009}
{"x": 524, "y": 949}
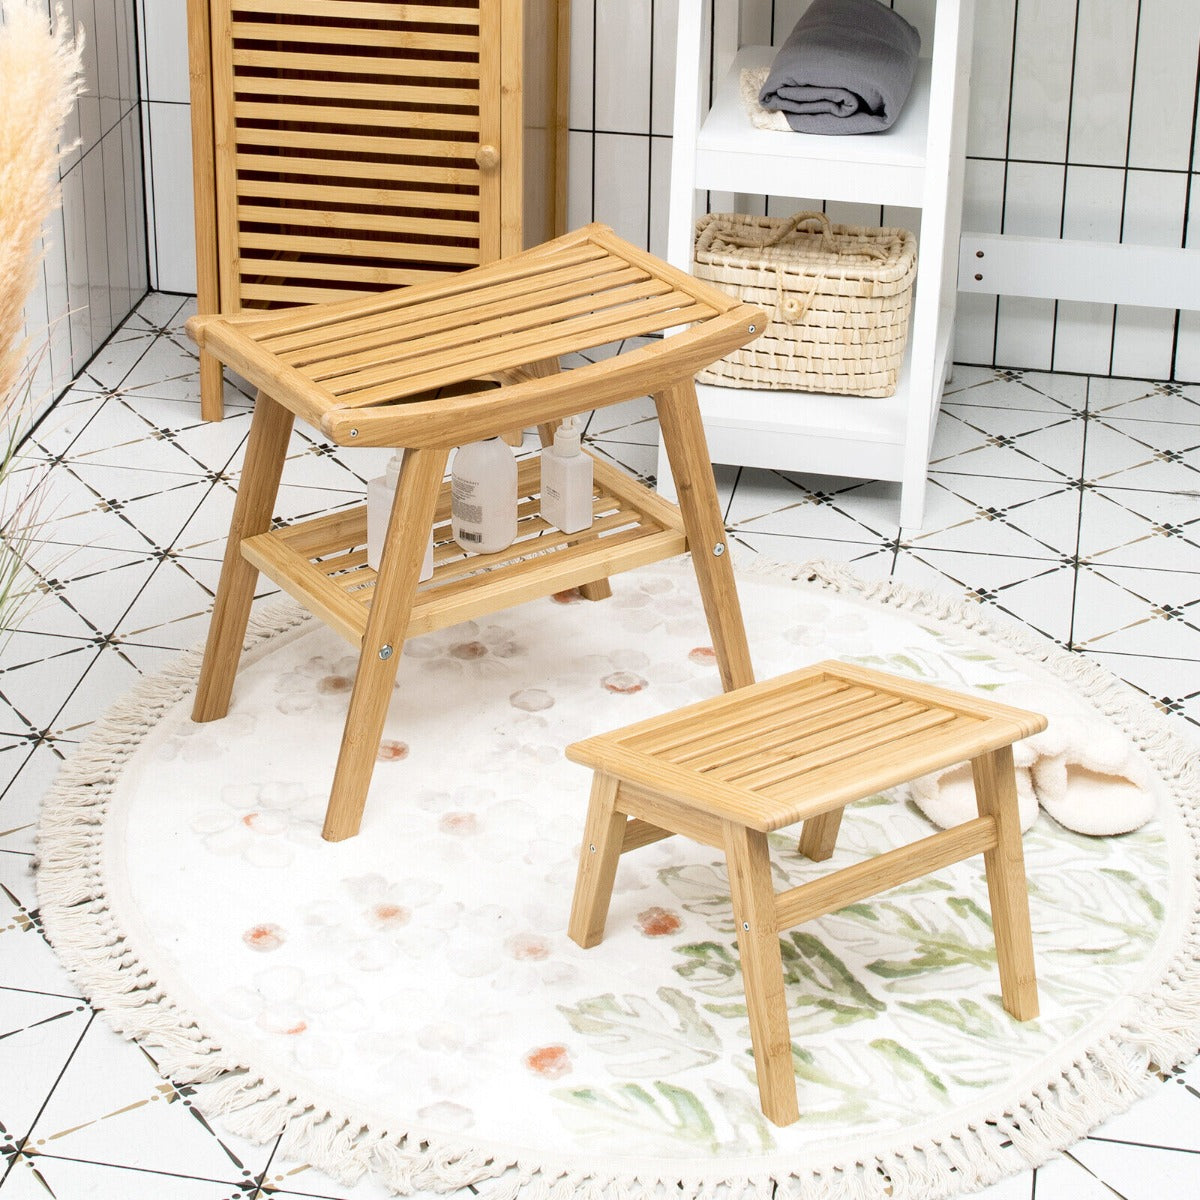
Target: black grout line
{"x": 1094, "y": 166}
{"x": 650, "y": 140}
{"x": 1111, "y": 1141}
{"x": 8, "y": 987}
{"x": 1187, "y": 205}
{"x": 1066, "y": 168}
{"x": 23, "y": 1140}
{"x": 1137, "y": 29}
{"x": 143, "y": 1171}
{"x": 1012, "y": 69}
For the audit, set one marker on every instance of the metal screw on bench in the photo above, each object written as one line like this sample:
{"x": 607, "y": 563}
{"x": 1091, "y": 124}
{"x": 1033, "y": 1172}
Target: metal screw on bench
{"x": 385, "y": 652}
{"x": 719, "y": 549}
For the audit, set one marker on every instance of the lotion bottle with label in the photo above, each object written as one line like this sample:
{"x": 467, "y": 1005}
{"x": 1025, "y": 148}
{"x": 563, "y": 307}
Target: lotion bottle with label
{"x": 567, "y": 481}
{"x": 381, "y": 491}
{"x": 483, "y": 496}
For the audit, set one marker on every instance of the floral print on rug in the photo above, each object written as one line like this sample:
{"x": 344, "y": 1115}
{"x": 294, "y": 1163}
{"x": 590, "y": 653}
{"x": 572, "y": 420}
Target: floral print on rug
{"x": 419, "y": 975}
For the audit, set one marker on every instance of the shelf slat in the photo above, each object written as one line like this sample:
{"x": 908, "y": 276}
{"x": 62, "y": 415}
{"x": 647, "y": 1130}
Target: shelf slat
{"x": 321, "y": 562}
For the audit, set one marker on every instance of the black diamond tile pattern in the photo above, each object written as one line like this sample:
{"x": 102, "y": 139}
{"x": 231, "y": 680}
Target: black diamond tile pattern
{"x": 1065, "y": 504}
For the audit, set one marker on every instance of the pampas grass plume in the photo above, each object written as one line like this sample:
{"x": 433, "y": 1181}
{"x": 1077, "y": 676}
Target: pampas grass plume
{"x": 40, "y": 79}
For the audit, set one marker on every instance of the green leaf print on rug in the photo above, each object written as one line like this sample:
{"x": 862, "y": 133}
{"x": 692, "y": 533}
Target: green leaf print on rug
{"x": 955, "y": 932}
{"x": 647, "y": 1040}
{"x": 676, "y": 1111}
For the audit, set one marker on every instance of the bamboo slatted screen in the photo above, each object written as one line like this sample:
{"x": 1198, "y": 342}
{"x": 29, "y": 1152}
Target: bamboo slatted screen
{"x": 350, "y": 146}
{"x": 347, "y": 145}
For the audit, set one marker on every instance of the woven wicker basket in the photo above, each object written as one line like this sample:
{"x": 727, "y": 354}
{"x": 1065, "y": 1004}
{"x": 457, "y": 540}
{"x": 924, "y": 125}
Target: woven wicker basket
{"x": 839, "y": 296}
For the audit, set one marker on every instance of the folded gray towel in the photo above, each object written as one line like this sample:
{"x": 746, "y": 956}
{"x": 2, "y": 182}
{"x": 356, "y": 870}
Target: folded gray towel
{"x": 847, "y": 67}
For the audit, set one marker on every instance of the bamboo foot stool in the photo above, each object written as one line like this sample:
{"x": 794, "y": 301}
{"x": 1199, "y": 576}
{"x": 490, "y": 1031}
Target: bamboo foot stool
{"x": 728, "y": 771}
{"x": 437, "y": 365}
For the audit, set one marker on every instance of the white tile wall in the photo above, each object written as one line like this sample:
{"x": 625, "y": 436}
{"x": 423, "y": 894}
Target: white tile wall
{"x": 172, "y": 242}
{"x": 166, "y": 117}
{"x": 1063, "y": 93}
{"x": 1092, "y": 208}
{"x": 1097, "y": 131}
{"x": 94, "y": 264}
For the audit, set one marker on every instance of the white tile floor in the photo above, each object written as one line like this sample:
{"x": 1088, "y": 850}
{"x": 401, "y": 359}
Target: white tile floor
{"x": 1068, "y": 504}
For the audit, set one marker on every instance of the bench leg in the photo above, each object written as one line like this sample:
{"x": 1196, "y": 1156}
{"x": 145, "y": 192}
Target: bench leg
{"x": 683, "y": 436}
{"x": 253, "y": 507}
{"x": 818, "y": 835}
{"x": 212, "y": 383}
{"x": 603, "y": 837}
{"x": 1008, "y": 894}
{"x": 753, "y": 898}
{"x": 395, "y": 587}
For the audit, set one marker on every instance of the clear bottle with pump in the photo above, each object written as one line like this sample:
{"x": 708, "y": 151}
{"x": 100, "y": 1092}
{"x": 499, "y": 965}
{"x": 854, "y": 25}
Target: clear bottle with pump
{"x": 566, "y": 486}
{"x": 381, "y": 491}
{"x": 483, "y": 496}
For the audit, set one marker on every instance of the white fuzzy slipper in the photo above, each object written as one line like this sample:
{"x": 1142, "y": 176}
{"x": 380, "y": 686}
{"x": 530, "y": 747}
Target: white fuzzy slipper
{"x": 1098, "y": 784}
{"x": 1086, "y": 773}
{"x": 947, "y": 797}
{"x": 1083, "y": 771}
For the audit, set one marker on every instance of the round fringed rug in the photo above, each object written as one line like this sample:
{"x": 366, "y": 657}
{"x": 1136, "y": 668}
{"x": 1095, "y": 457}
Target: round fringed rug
{"x": 406, "y": 1003}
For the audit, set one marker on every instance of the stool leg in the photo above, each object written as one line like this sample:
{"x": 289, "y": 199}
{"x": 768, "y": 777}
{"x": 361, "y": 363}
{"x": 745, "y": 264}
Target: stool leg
{"x": 603, "y": 836}
{"x": 683, "y": 437}
{"x": 395, "y": 586}
{"x": 753, "y": 898}
{"x": 1008, "y": 893}
{"x": 266, "y": 449}
{"x": 818, "y": 835}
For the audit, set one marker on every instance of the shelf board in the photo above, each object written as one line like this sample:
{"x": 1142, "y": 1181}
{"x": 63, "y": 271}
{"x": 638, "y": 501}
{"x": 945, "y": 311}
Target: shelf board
{"x": 323, "y": 562}
{"x": 814, "y": 433}
{"x": 877, "y": 168}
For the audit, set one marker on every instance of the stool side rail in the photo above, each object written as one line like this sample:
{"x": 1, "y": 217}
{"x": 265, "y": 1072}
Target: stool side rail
{"x": 849, "y": 885}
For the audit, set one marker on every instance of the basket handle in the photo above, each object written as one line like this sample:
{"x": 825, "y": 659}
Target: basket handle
{"x": 791, "y": 225}
{"x": 778, "y": 234}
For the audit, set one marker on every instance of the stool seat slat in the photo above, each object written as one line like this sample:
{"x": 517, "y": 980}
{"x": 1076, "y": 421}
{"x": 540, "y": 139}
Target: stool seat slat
{"x": 789, "y": 731}
{"x": 305, "y": 349}
{"x": 842, "y": 771}
{"x": 383, "y": 386}
{"x": 671, "y": 740}
{"x": 430, "y": 342}
{"x": 268, "y": 326}
{"x": 881, "y": 721}
{"x": 874, "y": 720}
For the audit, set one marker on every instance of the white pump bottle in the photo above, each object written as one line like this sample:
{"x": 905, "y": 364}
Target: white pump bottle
{"x": 566, "y": 487}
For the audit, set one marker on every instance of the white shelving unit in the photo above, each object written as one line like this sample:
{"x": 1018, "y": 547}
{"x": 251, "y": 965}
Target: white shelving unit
{"x": 917, "y": 163}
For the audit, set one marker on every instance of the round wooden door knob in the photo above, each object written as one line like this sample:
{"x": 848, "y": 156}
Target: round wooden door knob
{"x": 488, "y": 157}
